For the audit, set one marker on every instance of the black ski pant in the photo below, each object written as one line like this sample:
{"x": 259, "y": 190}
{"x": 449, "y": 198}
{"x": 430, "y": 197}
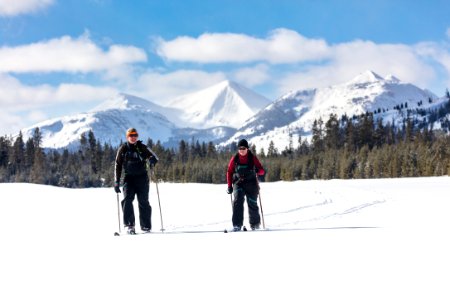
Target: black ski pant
{"x": 240, "y": 192}
{"x": 132, "y": 186}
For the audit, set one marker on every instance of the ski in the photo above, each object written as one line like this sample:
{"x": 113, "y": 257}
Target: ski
{"x": 244, "y": 229}
{"x": 169, "y": 232}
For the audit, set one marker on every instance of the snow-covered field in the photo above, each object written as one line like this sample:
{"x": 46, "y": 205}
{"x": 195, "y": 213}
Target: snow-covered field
{"x": 349, "y": 239}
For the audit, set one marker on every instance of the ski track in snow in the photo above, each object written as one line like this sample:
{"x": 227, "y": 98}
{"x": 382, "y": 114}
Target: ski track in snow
{"x": 336, "y": 239}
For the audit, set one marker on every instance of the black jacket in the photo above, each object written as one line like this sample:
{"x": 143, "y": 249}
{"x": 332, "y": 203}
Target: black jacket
{"x": 133, "y": 158}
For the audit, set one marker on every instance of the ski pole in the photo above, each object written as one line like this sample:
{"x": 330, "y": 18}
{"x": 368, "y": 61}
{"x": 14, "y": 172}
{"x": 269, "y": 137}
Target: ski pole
{"x": 118, "y": 213}
{"x": 159, "y": 202}
{"x": 231, "y": 201}
{"x": 262, "y": 213}
{"x": 260, "y": 203}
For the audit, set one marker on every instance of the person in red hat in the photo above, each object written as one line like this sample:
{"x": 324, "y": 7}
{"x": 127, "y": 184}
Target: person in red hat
{"x": 133, "y": 157}
{"x": 243, "y": 183}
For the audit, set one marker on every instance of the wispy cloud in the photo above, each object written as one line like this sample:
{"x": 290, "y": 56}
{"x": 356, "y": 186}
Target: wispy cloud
{"x": 16, "y": 96}
{"x": 11, "y": 123}
{"x": 252, "y": 76}
{"x": 279, "y": 47}
{"x": 11, "y": 8}
{"x": 162, "y": 86}
{"x": 349, "y": 59}
{"x": 67, "y": 54}
{"x": 293, "y": 61}
{"x": 284, "y": 60}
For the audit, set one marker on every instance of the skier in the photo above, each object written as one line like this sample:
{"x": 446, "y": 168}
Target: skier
{"x": 241, "y": 178}
{"x": 132, "y": 157}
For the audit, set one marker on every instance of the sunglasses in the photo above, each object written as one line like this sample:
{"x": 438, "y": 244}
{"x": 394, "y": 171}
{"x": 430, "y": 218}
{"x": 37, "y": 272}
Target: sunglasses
{"x": 133, "y": 135}
{"x": 242, "y": 148}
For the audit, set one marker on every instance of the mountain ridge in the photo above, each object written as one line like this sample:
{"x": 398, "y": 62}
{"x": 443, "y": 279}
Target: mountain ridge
{"x": 227, "y": 112}
{"x": 111, "y": 118}
{"x": 367, "y": 92}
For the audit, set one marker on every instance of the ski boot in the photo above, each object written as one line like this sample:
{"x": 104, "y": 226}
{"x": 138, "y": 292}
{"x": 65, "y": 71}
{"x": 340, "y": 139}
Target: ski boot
{"x": 254, "y": 226}
{"x": 146, "y": 230}
{"x": 131, "y": 230}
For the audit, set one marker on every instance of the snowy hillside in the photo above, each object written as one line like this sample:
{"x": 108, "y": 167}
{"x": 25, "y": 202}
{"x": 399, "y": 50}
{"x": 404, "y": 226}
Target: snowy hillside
{"x": 367, "y": 92}
{"x": 208, "y": 115}
{"x": 227, "y": 112}
{"x": 338, "y": 239}
{"x": 109, "y": 122}
{"x": 224, "y": 104}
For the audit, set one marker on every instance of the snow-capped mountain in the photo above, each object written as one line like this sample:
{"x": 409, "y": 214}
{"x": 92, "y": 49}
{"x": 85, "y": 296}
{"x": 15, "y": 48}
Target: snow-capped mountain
{"x": 294, "y": 113}
{"x": 224, "y": 104}
{"x": 211, "y": 114}
{"x": 109, "y": 122}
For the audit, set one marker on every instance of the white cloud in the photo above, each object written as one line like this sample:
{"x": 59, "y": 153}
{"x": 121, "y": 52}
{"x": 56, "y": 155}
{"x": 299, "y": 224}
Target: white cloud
{"x": 283, "y": 59}
{"x": 36, "y": 101}
{"x": 437, "y": 52}
{"x": 252, "y": 76}
{"x": 160, "y": 87}
{"x": 350, "y": 59}
{"x": 11, "y": 8}
{"x": 67, "y": 54}
{"x": 15, "y": 96}
{"x": 10, "y": 123}
{"x": 279, "y": 47}
{"x": 37, "y": 116}
{"x": 296, "y": 62}
{"x": 23, "y": 105}
{"x": 448, "y": 32}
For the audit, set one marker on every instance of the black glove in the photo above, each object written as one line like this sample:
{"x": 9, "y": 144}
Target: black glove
{"x": 153, "y": 161}
{"x": 117, "y": 187}
{"x": 229, "y": 190}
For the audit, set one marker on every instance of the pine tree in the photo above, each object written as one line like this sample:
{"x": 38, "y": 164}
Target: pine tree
{"x": 379, "y": 135}
{"x": 366, "y": 128}
{"x": 332, "y": 133}
{"x": 183, "y": 151}
{"x": 17, "y": 161}
{"x": 317, "y": 136}
{"x": 350, "y": 136}
{"x": 38, "y": 170}
{"x": 272, "y": 151}
{"x": 4, "y": 155}
{"x": 211, "y": 151}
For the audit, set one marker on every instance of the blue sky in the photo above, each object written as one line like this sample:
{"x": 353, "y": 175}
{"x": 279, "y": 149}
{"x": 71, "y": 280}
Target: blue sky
{"x": 64, "y": 57}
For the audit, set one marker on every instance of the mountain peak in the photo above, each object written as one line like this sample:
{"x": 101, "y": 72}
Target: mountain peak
{"x": 124, "y": 101}
{"x": 224, "y": 104}
{"x": 366, "y": 77}
{"x": 227, "y": 84}
{"x": 391, "y": 78}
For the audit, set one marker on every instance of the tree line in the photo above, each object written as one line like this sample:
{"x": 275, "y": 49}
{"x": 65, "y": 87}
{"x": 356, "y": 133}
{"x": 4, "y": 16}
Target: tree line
{"x": 357, "y": 147}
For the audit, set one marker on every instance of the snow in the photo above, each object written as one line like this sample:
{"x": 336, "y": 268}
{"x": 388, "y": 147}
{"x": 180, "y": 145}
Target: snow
{"x": 235, "y": 112}
{"x": 294, "y": 113}
{"x": 354, "y": 239}
{"x": 109, "y": 122}
{"x": 365, "y": 77}
{"x": 224, "y": 104}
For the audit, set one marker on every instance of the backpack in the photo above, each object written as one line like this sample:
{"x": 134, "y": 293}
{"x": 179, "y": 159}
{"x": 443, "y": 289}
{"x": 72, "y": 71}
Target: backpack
{"x": 133, "y": 163}
{"x": 244, "y": 173}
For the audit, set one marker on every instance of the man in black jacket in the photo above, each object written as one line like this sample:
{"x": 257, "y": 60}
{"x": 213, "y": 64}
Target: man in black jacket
{"x": 133, "y": 158}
